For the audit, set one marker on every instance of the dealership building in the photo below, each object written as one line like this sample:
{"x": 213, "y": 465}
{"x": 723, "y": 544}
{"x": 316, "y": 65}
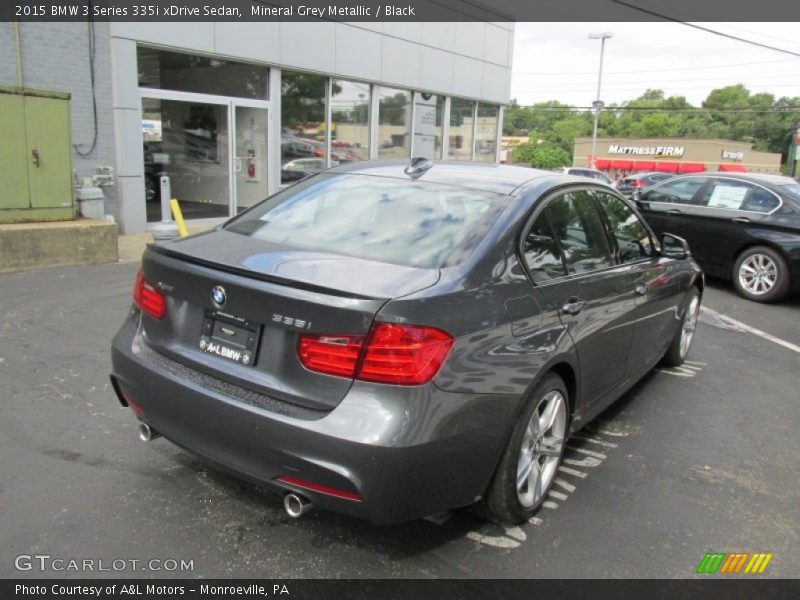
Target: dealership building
{"x": 230, "y": 112}
{"x": 673, "y": 155}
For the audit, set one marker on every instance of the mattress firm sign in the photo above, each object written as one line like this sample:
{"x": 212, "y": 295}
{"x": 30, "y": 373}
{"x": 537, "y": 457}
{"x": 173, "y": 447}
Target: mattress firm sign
{"x": 654, "y": 151}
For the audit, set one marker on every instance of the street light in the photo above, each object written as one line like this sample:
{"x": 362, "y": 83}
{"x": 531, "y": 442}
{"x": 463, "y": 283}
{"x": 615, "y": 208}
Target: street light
{"x": 598, "y": 104}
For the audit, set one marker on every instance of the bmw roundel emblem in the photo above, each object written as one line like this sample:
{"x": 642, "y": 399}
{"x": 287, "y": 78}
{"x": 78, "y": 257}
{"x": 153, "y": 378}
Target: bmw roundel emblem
{"x": 218, "y": 295}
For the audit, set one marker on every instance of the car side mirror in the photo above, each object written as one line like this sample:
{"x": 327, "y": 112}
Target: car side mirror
{"x": 673, "y": 246}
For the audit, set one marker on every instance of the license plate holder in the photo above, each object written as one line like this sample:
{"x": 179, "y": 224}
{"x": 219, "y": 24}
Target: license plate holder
{"x": 230, "y": 338}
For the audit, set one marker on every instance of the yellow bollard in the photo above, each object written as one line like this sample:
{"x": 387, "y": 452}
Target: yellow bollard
{"x": 178, "y": 216}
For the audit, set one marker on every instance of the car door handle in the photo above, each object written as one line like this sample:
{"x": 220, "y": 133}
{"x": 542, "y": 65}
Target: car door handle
{"x": 673, "y": 211}
{"x": 641, "y": 289}
{"x": 573, "y": 306}
{"x": 740, "y": 220}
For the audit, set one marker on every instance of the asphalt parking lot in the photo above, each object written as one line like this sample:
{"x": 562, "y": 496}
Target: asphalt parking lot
{"x": 695, "y": 459}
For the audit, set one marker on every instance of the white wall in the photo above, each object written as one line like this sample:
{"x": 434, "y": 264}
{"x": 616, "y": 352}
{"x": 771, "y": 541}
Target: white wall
{"x": 468, "y": 59}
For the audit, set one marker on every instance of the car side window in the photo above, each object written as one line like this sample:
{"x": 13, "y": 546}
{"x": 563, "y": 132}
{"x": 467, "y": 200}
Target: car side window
{"x": 541, "y": 251}
{"x": 761, "y": 200}
{"x": 580, "y": 233}
{"x": 725, "y": 193}
{"x": 633, "y": 238}
{"x": 677, "y": 192}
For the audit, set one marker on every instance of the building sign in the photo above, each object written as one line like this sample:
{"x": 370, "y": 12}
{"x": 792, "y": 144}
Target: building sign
{"x": 733, "y": 155}
{"x": 425, "y": 125}
{"x": 654, "y": 151}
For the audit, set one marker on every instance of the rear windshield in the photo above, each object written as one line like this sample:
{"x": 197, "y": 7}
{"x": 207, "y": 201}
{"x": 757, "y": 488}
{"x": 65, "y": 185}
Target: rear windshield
{"x": 793, "y": 189}
{"x": 397, "y": 221}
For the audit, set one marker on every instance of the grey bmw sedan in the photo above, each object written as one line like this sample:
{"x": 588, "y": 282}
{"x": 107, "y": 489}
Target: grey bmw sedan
{"x": 394, "y": 340}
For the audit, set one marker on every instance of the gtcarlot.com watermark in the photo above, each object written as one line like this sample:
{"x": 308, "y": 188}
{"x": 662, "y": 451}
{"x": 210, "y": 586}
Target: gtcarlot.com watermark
{"x": 48, "y": 563}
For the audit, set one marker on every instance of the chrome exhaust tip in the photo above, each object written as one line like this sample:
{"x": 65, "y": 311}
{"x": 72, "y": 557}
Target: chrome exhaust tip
{"x": 147, "y": 433}
{"x": 296, "y": 506}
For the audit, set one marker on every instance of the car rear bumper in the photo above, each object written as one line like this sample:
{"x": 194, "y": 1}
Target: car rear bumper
{"x": 406, "y": 452}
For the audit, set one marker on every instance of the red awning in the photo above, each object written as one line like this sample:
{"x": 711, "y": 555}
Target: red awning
{"x": 621, "y": 164}
{"x": 643, "y": 165}
{"x": 691, "y": 168}
{"x": 666, "y": 167}
{"x": 602, "y": 163}
{"x": 732, "y": 168}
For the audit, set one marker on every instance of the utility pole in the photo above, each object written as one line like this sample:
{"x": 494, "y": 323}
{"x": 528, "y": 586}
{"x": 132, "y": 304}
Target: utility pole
{"x": 598, "y": 104}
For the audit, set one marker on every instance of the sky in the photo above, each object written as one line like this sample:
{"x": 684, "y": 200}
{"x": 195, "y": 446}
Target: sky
{"x": 558, "y": 61}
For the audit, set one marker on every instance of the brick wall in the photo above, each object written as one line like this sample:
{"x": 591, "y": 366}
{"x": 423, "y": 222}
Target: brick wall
{"x": 55, "y": 56}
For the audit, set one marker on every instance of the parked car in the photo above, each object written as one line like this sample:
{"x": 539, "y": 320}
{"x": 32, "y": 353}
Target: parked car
{"x": 743, "y": 227}
{"x": 581, "y": 172}
{"x": 640, "y": 181}
{"x": 297, "y": 169}
{"x": 394, "y": 340}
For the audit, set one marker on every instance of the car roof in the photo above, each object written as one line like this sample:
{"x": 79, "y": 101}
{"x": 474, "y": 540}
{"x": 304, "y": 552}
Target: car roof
{"x": 766, "y": 179}
{"x": 489, "y": 177}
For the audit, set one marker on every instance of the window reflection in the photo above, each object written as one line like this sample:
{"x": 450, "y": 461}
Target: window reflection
{"x": 188, "y": 141}
{"x": 461, "y": 118}
{"x": 302, "y": 125}
{"x": 404, "y": 222}
{"x": 394, "y": 123}
{"x": 486, "y": 132}
{"x": 349, "y": 121}
{"x": 192, "y": 73}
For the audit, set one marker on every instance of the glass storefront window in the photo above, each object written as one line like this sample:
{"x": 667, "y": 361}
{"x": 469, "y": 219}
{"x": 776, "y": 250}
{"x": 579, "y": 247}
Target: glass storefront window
{"x": 349, "y": 121}
{"x": 486, "y": 132}
{"x": 302, "y": 125}
{"x": 394, "y": 123}
{"x": 201, "y": 74}
{"x": 461, "y": 117}
{"x": 189, "y": 142}
{"x": 428, "y": 118}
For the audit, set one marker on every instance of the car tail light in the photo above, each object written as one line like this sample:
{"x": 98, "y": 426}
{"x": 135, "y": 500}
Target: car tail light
{"x": 391, "y": 353}
{"x": 148, "y": 298}
{"x": 331, "y": 354}
{"x": 404, "y": 354}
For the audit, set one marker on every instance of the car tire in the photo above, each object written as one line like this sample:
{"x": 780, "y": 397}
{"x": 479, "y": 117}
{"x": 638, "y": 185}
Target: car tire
{"x": 761, "y": 274}
{"x": 537, "y": 444}
{"x": 682, "y": 343}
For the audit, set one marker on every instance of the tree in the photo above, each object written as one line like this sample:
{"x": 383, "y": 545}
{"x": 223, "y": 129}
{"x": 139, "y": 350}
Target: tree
{"x": 760, "y": 119}
{"x": 542, "y": 155}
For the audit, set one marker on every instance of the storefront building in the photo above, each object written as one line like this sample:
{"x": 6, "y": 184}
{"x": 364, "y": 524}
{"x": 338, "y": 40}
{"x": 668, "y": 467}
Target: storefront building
{"x": 232, "y": 112}
{"x": 617, "y": 156}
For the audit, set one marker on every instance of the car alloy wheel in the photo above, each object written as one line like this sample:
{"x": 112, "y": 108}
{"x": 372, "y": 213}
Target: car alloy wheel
{"x": 540, "y": 451}
{"x": 761, "y": 274}
{"x": 689, "y": 325}
{"x": 758, "y": 274}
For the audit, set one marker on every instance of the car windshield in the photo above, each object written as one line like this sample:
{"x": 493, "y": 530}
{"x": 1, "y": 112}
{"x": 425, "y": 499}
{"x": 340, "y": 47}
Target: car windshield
{"x": 391, "y": 220}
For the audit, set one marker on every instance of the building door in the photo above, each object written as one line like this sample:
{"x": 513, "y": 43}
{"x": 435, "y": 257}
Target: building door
{"x": 214, "y": 151}
{"x": 35, "y": 156}
{"x": 249, "y": 155}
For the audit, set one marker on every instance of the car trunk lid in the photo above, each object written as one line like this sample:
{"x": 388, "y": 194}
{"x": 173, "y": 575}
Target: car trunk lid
{"x": 270, "y": 296}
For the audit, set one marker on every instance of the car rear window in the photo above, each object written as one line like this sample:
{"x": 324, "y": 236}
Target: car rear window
{"x": 391, "y": 220}
{"x": 793, "y": 189}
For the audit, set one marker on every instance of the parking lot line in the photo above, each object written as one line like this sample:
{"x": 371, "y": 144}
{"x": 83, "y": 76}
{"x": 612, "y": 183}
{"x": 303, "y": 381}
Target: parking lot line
{"x": 573, "y": 472}
{"x": 750, "y": 329}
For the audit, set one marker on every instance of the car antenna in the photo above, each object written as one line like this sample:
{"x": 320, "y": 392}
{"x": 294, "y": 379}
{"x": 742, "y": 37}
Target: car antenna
{"x": 417, "y": 167}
